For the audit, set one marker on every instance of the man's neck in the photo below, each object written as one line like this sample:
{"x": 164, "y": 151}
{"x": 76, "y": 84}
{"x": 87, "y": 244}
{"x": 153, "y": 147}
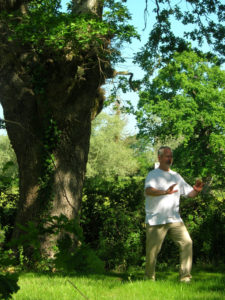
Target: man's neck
{"x": 164, "y": 168}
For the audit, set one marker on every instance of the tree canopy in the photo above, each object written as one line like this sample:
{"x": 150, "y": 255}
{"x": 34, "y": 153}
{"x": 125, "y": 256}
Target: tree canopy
{"x": 202, "y": 23}
{"x": 186, "y": 100}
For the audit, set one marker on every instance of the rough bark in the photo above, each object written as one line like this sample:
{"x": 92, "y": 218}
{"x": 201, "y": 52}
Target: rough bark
{"x": 86, "y": 6}
{"x": 72, "y": 97}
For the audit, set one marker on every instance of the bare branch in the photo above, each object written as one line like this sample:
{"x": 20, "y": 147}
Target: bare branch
{"x": 85, "y": 297}
{"x": 130, "y": 79}
{"x": 158, "y": 8}
{"x": 145, "y": 14}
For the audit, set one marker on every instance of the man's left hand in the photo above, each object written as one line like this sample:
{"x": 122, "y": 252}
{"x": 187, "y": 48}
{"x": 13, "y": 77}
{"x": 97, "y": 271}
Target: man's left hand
{"x": 198, "y": 185}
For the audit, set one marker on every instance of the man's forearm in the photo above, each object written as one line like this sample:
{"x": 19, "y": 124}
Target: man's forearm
{"x": 193, "y": 194}
{"x": 154, "y": 192}
{"x": 150, "y": 191}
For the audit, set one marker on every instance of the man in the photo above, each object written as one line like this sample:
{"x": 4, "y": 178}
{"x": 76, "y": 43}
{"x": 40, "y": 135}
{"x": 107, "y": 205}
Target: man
{"x": 163, "y": 188}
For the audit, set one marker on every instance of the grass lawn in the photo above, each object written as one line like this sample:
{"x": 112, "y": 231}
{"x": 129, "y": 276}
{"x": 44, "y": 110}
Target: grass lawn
{"x": 206, "y": 285}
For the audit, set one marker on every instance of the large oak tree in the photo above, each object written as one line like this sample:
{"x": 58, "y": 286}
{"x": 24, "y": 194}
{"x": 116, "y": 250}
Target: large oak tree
{"x": 50, "y": 93}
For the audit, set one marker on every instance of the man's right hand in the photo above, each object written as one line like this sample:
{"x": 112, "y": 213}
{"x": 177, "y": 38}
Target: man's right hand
{"x": 149, "y": 191}
{"x": 171, "y": 190}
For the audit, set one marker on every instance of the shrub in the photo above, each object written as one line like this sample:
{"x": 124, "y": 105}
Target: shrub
{"x": 112, "y": 219}
{"x": 8, "y": 285}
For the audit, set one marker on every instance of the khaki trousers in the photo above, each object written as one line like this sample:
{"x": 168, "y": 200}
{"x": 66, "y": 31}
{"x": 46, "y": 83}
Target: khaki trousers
{"x": 155, "y": 236}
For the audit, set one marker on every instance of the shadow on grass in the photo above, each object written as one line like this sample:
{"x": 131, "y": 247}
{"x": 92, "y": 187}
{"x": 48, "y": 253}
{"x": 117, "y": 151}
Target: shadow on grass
{"x": 208, "y": 280}
{"x": 122, "y": 277}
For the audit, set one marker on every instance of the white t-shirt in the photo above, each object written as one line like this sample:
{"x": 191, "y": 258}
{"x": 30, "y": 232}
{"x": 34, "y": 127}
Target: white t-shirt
{"x": 165, "y": 208}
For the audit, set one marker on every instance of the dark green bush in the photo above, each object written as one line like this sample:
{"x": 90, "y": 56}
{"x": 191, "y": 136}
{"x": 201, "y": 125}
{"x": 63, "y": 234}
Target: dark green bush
{"x": 80, "y": 259}
{"x": 9, "y": 196}
{"x": 8, "y": 285}
{"x": 8, "y": 282}
{"x": 205, "y": 219}
{"x": 73, "y": 254}
{"x": 112, "y": 219}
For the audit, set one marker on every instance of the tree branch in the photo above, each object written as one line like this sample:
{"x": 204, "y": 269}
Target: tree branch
{"x": 130, "y": 78}
{"x": 158, "y": 8}
{"x": 85, "y": 297}
{"x": 145, "y": 14}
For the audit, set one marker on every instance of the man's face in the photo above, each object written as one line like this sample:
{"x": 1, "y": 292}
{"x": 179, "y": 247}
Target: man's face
{"x": 166, "y": 159}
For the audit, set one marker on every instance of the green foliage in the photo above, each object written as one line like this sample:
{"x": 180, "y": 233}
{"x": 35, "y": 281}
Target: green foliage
{"x": 116, "y": 15}
{"x": 45, "y": 27}
{"x": 30, "y": 238}
{"x": 146, "y": 152}
{"x": 8, "y": 285}
{"x": 7, "y": 256}
{"x": 8, "y": 208}
{"x": 112, "y": 220}
{"x": 9, "y": 190}
{"x": 110, "y": 154}
{"x": 187, "y": 97}
{"x": 82, "y": 259}
{"x": 71, "y": 253}
{"x": 8, "y": 282}
{"x": 8, "y": 166}
{"x": 50, "y": 142}
{"x": 143, "y": 151}
{"x": 205, "y": 220}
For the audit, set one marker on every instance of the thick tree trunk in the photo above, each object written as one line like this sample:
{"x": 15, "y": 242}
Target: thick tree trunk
{"x": 41, "y": 93}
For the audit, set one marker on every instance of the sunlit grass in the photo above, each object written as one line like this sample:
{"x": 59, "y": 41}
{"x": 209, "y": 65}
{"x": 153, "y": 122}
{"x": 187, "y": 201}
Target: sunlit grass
{"x": 205, "y": 286}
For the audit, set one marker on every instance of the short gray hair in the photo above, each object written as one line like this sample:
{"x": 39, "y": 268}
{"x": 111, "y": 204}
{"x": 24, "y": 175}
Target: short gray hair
{"x": 161, "y": 150}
